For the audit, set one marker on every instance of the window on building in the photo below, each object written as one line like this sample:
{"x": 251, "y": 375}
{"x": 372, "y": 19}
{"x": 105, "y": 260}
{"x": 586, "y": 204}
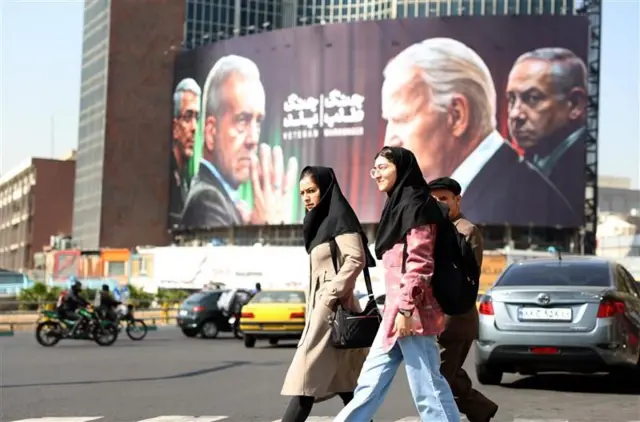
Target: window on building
{"x": 116, "y": 268}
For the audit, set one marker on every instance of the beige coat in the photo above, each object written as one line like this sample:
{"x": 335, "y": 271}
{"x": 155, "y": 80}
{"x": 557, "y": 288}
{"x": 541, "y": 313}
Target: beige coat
{"x": 318, "y": 369}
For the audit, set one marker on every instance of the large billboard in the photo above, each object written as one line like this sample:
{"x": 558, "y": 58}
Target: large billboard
{"x": 498, "y": 103}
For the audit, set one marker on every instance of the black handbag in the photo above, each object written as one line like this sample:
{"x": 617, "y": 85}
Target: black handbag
{"x": 354, "y": 330}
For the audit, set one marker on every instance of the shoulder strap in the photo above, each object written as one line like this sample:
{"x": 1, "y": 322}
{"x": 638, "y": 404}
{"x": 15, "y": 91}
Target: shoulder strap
{"x": 367, "y": 277}
{"x": 334, "y": 254}
{"x": 404, "y": 255}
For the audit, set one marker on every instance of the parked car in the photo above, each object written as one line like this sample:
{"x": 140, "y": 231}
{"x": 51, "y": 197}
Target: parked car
{"x": 559, "y": 315}
{"x": 273, "y": 315}
{"x": 200, "y": 314}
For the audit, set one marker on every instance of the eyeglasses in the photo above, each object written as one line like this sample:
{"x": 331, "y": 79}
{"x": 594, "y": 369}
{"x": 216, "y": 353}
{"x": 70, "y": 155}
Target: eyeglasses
{"x": 376, "y": 171}
{"x": 189, "y": 115}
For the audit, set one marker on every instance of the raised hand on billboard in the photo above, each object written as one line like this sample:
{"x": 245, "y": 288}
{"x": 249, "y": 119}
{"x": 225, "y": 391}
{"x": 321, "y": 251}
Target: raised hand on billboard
{"x": 271, "y": 184}
{"x": 245, "y": 211}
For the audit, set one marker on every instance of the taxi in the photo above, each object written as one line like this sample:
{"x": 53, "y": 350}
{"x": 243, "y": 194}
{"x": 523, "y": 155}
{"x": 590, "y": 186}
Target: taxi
{"x": 273, "y": 315}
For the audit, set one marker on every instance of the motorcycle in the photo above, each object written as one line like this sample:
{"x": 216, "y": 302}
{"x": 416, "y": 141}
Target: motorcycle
{"x": 51, "y": 328}
{"x": 136, "y": 329}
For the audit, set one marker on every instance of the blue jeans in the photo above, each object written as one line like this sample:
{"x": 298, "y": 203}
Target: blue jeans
{"x": 431, "y": 392}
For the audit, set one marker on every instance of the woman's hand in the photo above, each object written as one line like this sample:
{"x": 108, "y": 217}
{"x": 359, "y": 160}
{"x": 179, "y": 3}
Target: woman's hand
{"x": 404, "y": 325}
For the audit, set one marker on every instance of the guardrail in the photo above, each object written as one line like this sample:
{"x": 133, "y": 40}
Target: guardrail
{"x": 21, "y": 320}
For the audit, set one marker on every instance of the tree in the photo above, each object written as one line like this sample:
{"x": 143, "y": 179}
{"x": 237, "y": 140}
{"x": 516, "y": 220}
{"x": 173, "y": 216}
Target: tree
{"x": 34, "y": 297}
{"x": 140, "y": 298}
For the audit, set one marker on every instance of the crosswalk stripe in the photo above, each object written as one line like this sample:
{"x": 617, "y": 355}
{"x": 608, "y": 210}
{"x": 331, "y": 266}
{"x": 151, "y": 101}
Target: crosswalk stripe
{"x": 540, "y": 420}
{"x": 178, "y": 418}
{"x": 185, "y": 419}
{"x": 62, "y": 419}
{"x": 315, "y": 419}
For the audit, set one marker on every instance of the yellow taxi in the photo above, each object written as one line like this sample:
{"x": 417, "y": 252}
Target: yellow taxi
{"x": 273, "y": 315}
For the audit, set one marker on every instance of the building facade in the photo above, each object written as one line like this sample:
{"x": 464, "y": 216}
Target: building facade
{"x": 36, "y": 202}
{"x": 121, "y": 194}
{"x": 87, "y": 200}
{"x": 209, "y": 21}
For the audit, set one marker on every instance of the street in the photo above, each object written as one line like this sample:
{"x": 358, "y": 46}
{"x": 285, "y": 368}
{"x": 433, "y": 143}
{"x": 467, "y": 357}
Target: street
{"x": 167, "y": 374}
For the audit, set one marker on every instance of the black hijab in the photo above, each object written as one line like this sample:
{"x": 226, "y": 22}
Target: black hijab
{"x": 332, "y": 216}
{"x": 409, "y": 203}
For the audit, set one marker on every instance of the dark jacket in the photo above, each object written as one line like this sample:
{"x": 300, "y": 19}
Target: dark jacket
{"x": 178, "y": 193}
{"x": 107, "y": 301}
{"x": 465, "y": 326}
{"x": 507, "y": 190}
{"x": 208, "y": 204}
{"x": 73, "y": 301}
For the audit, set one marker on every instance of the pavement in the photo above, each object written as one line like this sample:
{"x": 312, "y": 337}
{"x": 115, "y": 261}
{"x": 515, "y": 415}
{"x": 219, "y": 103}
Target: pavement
{"x": 169, "y": 378}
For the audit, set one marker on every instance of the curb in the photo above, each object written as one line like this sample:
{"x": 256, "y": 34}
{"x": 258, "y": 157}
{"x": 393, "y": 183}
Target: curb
{"x": 6, "y": 333}
{"x": 152, "y": 328}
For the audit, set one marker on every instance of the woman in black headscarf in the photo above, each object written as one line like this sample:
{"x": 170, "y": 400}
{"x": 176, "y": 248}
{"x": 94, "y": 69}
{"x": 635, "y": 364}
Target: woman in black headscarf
{"x": 412, "y": 319}
{"x": 318, "y": 370}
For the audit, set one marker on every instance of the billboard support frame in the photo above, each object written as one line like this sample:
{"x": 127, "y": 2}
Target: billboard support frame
{"x": 593, "y": 10}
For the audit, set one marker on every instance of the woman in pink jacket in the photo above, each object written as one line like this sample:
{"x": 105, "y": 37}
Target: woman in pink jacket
{"x": 412, "y": 319}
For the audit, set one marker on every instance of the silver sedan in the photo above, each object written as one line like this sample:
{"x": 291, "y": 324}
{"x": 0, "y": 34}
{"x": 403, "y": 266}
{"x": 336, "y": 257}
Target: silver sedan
{"x": 559, "y": 315}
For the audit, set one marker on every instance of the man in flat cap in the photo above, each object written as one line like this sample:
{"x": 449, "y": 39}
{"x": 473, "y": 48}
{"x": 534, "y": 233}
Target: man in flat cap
{"x": 461, "y": 330}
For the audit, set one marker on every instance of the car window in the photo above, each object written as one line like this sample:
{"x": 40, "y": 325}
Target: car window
{"x": 631, "y": 284}
{"x": 211, "y": 299}
{"x": 556, "y": 274}
{"x": 279, "y": 297}
{"x": 195, "y": 298}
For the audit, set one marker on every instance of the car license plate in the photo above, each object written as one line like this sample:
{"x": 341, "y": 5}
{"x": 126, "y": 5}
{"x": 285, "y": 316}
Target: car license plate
{"x": 183, "y": 312}
{"x": 544, "y": 314}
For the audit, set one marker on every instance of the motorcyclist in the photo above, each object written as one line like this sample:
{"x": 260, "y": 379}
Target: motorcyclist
{"x": 107, "y": 304}
{"x": 72, "y": 301}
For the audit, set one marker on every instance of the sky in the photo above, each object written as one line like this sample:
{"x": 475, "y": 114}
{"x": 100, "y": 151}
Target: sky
{"x": 40, "y": 57}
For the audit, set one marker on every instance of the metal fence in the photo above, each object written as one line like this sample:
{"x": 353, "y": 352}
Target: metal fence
{"x": 13, "y": 318}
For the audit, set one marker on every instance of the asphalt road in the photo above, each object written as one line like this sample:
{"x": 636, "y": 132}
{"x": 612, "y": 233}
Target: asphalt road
{"x": 167, "y": 374}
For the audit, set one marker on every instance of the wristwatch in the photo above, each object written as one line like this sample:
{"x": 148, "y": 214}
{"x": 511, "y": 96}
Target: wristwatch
{"x": 405, "y": 313}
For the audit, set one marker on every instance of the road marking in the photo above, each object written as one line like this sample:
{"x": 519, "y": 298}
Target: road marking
{"x": 185, "y": 419}
{"x": 540, "y": 420}
{"x": 176, "y": 418}
{"x": 62, "y": 419}
{"x": 315, "y": 419}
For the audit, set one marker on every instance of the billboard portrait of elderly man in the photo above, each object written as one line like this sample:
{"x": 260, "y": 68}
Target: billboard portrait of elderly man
{"x": 538, "y": 178}
{"x": 234, "y": 107}
{"x": 439, "y": 101}
{"x": 547, "y": 103}
{"x": 186, "y": 111}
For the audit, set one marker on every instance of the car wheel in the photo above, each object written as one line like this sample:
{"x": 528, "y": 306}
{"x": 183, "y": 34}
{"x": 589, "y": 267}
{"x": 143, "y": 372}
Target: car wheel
{"x": 487, "y": 375}
{"x": 273, "y": 341}
{"x": 209, "y": 329}
{"x": 189, "y": 332}
{"x": 249, "y": 342}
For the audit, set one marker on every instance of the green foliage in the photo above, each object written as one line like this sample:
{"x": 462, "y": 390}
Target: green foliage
{"x": 172, "y": 296}
{"x": 140, "y": 298}
{"x": 36, "y": 296}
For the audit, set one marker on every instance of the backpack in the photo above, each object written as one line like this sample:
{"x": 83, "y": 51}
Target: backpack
{"x": 456, "y": 276}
